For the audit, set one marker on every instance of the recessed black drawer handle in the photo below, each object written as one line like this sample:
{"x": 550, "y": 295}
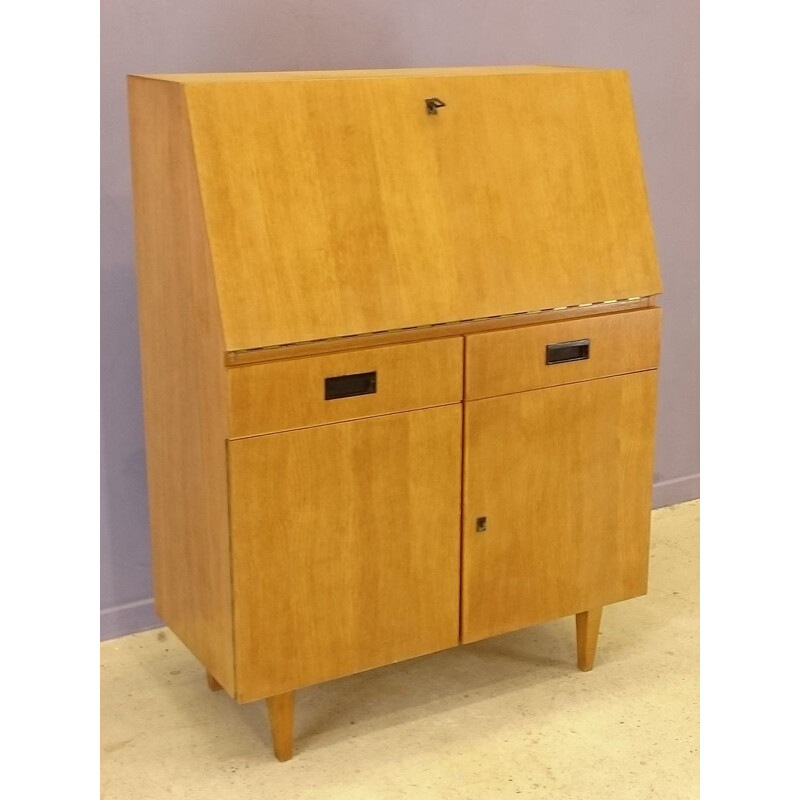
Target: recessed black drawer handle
{"x": 351, "y": 385}
{"x": 563, "y": 352}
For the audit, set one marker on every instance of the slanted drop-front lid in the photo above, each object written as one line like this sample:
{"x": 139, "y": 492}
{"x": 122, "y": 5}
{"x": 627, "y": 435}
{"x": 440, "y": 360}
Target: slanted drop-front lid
{"x": 342, "y": 205}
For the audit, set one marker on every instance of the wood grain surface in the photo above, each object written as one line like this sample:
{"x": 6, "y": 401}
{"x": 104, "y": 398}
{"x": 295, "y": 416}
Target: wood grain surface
{"x": 338, "y": 74}
{"x": 339, "y": 206}
{"x": 291, "y": 394}
{"x": 346, "y": 543}
{"x": 515, "y": 360}
{"x": 587, "y": 629}
{"x": 563, "y": 477}
{"x": 281, "y": 722}
{"x": 183, "y": 379}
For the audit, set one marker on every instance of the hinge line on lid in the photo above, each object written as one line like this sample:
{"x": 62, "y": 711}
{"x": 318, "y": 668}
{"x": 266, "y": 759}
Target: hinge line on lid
{"x": 234, "y": 353}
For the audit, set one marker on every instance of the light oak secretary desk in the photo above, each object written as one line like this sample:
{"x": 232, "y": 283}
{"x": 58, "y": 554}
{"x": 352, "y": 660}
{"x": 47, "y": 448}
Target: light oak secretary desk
{"x": 399, "y": 351}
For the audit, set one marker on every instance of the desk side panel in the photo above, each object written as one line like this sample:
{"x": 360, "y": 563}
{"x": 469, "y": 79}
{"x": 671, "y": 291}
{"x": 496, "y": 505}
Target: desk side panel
{"x": 183, "y": 381}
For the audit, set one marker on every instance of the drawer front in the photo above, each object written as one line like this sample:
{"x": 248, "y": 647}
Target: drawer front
{"x": 556, "y": 353}
{"x": 298, "y": 393}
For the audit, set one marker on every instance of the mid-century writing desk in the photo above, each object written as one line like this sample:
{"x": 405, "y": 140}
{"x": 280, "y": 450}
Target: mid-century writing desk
{"x": 399, "y": 352}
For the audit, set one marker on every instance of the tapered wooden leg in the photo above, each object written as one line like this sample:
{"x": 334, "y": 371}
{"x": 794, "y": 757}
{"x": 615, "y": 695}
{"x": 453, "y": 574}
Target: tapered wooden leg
{"x": 281, "y": 721}
{"x": 587, "y": 625}
{"x": 212, "y": 682}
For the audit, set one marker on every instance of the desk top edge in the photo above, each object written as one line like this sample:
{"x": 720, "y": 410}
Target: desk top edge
{"x": 409, "y": 72}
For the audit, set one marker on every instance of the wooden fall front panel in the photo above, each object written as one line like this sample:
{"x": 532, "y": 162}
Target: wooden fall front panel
{"x": 336, "y": 205}
{"x": 399, "y": 366}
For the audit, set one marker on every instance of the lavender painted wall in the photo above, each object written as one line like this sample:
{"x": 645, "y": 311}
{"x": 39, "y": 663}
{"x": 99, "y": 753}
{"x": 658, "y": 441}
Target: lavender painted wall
{"x": 657, "y": 42}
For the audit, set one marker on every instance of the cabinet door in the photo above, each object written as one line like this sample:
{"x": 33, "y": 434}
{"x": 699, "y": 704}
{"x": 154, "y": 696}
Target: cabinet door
{"x": 345, "y": 545}
{"x": 563, "y": 479}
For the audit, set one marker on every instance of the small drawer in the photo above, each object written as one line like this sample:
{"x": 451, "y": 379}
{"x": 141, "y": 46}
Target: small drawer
{"x": 300, "y": 392}
{"x": 554, "y": 353}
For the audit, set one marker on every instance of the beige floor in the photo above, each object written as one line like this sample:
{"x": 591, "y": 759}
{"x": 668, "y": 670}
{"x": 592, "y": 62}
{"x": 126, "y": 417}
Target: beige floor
{"x": 508, "y": 717}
